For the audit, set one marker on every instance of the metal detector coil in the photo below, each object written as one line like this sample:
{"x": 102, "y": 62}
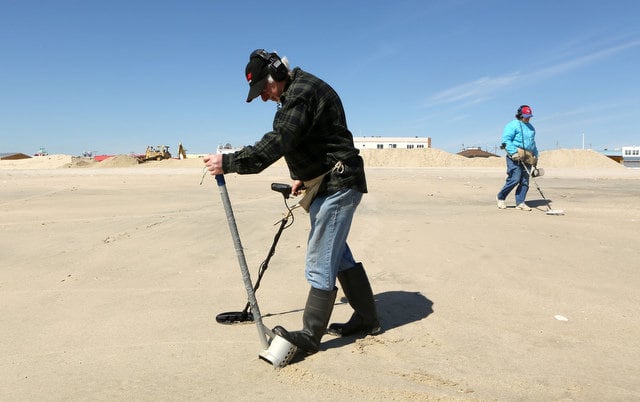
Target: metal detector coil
{"x": 234, "y": 317}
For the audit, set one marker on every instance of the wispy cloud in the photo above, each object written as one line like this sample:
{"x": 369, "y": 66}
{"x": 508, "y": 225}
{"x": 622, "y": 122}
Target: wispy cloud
{"x": 488, "y": 87}
{"x": 473, "y": 90}
{"x": 579, "y": 62}
{"x": 622, "y": 108}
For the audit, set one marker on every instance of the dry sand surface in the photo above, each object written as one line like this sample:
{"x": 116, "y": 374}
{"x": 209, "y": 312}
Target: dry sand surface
{"x": 112, "y": 273}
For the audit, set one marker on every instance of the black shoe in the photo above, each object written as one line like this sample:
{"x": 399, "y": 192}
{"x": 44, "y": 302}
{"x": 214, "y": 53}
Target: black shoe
{"x": 355, "y": 326}
{"x": 314, "y": 321}
{"x": 364, "y": 320}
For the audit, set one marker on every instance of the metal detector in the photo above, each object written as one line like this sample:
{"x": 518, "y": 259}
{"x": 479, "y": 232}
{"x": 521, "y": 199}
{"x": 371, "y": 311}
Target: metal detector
{"x": 533, "y": 173}
{"x": 276, "y": 350}
{"x": 246, "y": 315}
{"x": 536, "y": 173}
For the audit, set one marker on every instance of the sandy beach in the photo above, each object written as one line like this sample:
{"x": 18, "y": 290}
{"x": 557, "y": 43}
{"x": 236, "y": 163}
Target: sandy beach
{"x": 111, "y": 276}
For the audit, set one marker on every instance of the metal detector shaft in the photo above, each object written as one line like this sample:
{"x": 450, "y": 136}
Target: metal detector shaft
{"x": 530, "y": 172}
{"x": 265, "y": 264}
{"x": 549, "y": 210}
{"x": 255, "y": 310}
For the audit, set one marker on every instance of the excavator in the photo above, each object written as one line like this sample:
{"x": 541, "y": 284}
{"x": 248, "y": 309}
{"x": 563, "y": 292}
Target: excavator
{"x": 182, "y": 154}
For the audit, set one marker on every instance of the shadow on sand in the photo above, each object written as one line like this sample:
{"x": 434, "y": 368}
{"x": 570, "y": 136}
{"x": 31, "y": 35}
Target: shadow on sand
{"x": 395, "y": 309}
{"x": 538, "y": 203}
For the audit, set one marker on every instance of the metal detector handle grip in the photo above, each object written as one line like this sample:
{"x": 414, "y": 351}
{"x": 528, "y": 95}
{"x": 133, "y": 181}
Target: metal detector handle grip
{"x": 255, "y": 310}
{"x": 284, "y": 189}
{"x": 220, "y": 180}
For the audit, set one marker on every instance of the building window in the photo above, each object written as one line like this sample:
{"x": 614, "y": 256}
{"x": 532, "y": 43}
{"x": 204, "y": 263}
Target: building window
{"x": 392, "y": 145}
{"x": 409, "y": 146}
{"x": 380, "y": 146}
{"x": 420, "y": 146}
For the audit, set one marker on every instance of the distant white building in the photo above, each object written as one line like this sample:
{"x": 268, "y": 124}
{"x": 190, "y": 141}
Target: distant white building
{"x": 392, "y": 142}
{"x": 631, "y": 156}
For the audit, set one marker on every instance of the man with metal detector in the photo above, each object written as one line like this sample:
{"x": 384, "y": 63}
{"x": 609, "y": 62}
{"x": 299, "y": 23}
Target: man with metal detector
{"x": 519, "y": 141}
{"x": 310, "y": 131}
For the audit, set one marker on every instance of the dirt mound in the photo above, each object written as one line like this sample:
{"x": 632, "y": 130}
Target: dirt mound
{"x": 427, "y": 157}
{"x": 177, "y": 163}
{"x": 38, "y": 162}
{"x": 431, "y": 157}
{"x": 80, "y": 162}
{"x": 576, "y": 158}
{"x": 118, "y": 161}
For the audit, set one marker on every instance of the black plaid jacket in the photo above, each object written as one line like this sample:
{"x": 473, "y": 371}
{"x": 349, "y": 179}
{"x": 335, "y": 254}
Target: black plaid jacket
{"x": 310, "y": 131}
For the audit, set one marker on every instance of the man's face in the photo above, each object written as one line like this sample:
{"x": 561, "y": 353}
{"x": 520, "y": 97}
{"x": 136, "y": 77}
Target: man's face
{"x": 271, "y": 92}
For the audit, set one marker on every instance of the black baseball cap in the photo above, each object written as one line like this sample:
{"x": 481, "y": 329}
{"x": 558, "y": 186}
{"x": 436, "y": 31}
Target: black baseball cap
{"x": 256, "y": 73}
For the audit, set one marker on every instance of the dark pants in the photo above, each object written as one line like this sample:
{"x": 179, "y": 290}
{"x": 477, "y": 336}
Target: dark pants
{"x": 516, "y": 176}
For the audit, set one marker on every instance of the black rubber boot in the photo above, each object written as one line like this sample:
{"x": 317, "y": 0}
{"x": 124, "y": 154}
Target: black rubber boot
{"x": 357, "y": 289}
{"x": 314, "y": 321}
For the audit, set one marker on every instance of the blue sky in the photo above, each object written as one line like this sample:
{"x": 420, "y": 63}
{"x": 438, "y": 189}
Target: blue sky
{"x": 115, "y": 76}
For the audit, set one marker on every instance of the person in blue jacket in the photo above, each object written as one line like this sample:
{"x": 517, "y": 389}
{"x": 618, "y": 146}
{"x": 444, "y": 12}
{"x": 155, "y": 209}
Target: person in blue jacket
{"x": 519, "y": 141}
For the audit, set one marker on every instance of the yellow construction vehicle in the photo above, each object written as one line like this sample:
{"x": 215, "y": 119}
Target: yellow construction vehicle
{"x": 158, "y": 153}
{"x": 182, "y": 154}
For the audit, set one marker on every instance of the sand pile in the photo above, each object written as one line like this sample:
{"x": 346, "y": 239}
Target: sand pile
{"x": 576, "y": 158}
{"x": 428, "y": 157}
{"x": 38, "y": 162}
{"x": 119, "y": 161}
{"x": 174, "y": 163}
{"x": 80, "y": 162}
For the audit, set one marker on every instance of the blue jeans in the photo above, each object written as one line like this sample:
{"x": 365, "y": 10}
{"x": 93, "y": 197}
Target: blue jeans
{"x": 327, "y": 249}
{"x": 516, "y": 176}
